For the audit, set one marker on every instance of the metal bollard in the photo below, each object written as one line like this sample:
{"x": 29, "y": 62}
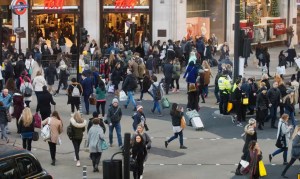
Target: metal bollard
{"x": 84, "y": 173}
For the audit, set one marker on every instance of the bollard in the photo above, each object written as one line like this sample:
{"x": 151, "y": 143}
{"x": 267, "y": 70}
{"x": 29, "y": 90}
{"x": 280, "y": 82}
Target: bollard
{"x": 112, "y": 169}
{"x": 84, "y": 173}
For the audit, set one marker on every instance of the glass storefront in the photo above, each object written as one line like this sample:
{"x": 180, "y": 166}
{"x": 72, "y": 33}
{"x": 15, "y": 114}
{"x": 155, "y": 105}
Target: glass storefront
{"x": 122, "y": 19}
{"x": 6, "y": 20}
{"x": 206, "y": 17}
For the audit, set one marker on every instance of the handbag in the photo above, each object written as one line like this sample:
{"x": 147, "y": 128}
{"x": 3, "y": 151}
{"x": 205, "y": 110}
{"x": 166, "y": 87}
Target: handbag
{"x": 245, "y": 167}
{"x": 280, "y": 142}
{"x": 182, "y": 123}
{"x": 165, "y": 103}
{"x": 123, "y": 96}
{"x": 104, "y": 145}
{"x": 262, "y": 169}
{"x": 92, "y": 100}
{"x": 245, "y": 101}
{"x": 132, "y": 164}
{"x": 46, "y": 131}
{"x": 8, "y": 116}
{"x": 146, "y": 127}
{"x": 35, "y": 136}
{"x": 37, "y": 120}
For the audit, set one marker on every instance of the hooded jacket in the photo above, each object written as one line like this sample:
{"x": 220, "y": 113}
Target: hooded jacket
{"x": 78, "y": 128}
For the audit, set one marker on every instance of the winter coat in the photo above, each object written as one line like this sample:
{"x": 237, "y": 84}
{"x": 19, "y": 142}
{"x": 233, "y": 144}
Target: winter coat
{"x": 191, "y": 74}
{"x": 250, "y": 134}
{"x": 94, "y": 135}
{"x": 295, "y": 85}
{"x": 22, "y": 90}
{"x": 141, "y": 70}
{"x": 3, "y": 116}
{"x": 18, "y": 105}
{"x": 44, "y": 100}
{"x": 266, "y": 81}
{"x": 35, "y": 69}
{"x": 207, "y": 74}
{"x": 176, "y": 71}
{"x": 73, "y": 99}
{"x": 116, "y": 76}
{"x": 274, "y": 96}
{"x": 6, "y": 100}
{"x": 135, "y": 69}
{"x": 56, "y": 128}
{"x": 101, "y": 124}
{"x": 291, "y": 55}
{"x": 149, "y": 64}
{"x": 139, "y": 153}
{"x": 262, "y": 101}
{"x": 24, "y": 129}
{"x": 129, "y": 82}
{"x": 285, "y": 130}
{"x": 77, "y": 128}
{"x": 146, "y": 138}
{"x": 87, "y": 86}
{"x": 146, "y": 84}
{"x": 114, "y": 114}
{"x": 19, "y": 68}
{"x": 168, "y": 70}
{"x": 296, "y": 147}
{"x": 138, "y": 117}
{"x": 282, "y": 60}
{"x": 100, "y": 94}
{"x": 38, "y": 83}
{"x": 288, "y": 105}
{"x": 50, "y": 75}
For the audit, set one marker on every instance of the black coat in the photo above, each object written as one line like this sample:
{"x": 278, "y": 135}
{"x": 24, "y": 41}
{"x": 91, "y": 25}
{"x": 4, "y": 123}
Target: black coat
{"x": 176, "y": 118}
{"x": 262, "y": 101}
{"x": 129, "y": 82}
{"x": 44, "y": 102}
{"x": 146, "y": 84}
{"x": 250, "y": 135}
{"x": 50, "y": 75}
{"x": 168, "y": 70}
{"x": 71, "y": 99}
{"x": 291, "y": 55}
{"x": 19, "y": 68}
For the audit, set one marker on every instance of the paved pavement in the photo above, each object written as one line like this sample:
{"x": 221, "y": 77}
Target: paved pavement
{"x": 212, "y": 153}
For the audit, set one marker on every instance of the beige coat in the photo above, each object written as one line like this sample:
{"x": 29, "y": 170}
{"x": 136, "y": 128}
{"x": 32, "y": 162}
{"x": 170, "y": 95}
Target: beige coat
{"x": 35, "y": 69}
{"x": 295, "y": 84}
{"x": 56, "y": 128}
{"x": 141, "y": 69}
{"x": 135, "y": 69}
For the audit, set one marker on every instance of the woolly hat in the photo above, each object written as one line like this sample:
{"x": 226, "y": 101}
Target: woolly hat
{"x": 139, "y": 107}
{"x": 251, "y": 121}
{"x": 115, "y": 100}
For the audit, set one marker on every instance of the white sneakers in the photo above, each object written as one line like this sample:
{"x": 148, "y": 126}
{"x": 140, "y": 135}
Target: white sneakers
{"x": 75, "y": 159}
{"x": 78, "y": 164}
{"x": 141, "y": 177}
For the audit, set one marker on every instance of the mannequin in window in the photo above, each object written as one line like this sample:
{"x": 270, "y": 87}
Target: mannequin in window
{"x": 203, "y": 30}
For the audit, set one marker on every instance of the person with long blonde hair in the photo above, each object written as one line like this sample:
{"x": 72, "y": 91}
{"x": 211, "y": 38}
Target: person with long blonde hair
{"x": 207, "y": 75}
{"x": 78, "y": 127}
{"x": 26, "y": 127}
{"x": 295, "y": 150}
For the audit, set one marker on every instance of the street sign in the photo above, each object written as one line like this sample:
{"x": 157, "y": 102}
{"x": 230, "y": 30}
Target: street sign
{"x": 19, "y": 30}
{"x": 18, "y": 7}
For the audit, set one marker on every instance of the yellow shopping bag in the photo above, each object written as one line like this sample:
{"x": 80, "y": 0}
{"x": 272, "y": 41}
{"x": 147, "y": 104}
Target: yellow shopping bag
{"x": 229, "y": 106}
{"x": 262, "y": 169}
{"x": 245, "y": 101}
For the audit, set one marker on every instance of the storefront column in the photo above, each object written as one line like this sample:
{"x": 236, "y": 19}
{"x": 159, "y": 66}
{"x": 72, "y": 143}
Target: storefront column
{"x": 230, "y": 23}
{"x": 91, "y": 17}
{"x": 180, "y": 19}
{"x": 24, "y": 23}
{"x": 293, "y": 15}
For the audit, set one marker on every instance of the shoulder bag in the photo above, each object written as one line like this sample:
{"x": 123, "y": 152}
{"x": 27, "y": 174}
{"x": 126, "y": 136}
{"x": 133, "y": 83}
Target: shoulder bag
{"x": 46, "y": 131}
{"x": 280, "y": 142}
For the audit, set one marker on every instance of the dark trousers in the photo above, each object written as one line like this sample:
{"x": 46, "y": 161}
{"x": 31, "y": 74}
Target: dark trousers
{"x": 180, "y": 134}
{"x": 45, "y": 114}
{"x": 138, "y": 171}
{"x": 95, "y": 158}
{"x": 52, "y": 147}
{"x": 27, "y": 143}
{"x": 86, "y": 103}
{"x": 142, "y": 94}
{"x": 73, "y": 107}
{"x": 64, "y": 82}
{"x": 281, "y": 107}
{"x": 102, "y": 103}
{"x": 177, "y": 83}
{"x": 168, "y": 83}
{"x": 292, "y": 161}
{"x": 217, "y": 94}
{"x": 273, "y": 114}
{"x": 261, "y": 116}
{"x": 27, "y": 103}
{"x": 240, "y": 110}
{"x": 76, "y": 144}
{"x": 224, "y": 98}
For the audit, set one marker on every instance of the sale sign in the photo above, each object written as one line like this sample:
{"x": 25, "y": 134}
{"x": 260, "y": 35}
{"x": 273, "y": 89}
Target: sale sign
{"x": 279, "y": 28}
{"x": 125, "y": 4}
{"x": 53, "y": 4}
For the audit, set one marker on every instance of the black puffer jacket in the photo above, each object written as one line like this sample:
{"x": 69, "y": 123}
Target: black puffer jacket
{"x": 129, "y": 83}
{"x": 274, "y": 96}
{"x": 176, "y": 118}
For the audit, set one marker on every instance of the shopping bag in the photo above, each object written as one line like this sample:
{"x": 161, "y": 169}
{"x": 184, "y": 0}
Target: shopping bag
{"x": 92, "y": 100}
{"x": 229, "y": 106}
{"x": 46, "y": 131}
{"x": 123, "y": 96}
{"x": 245, "y": 101}
{"x": 245, "y": 167}
{"x": 111, "y": 89}
{"x": 182, "y": 123}
{"x": 165, "y": 103}
{"x": 37, "y": 120}
{"x": 281, "y": 70}
{"x": 262, "y": 169}
{"x": 11, "y": 109}
{"x": 8, "y": 116}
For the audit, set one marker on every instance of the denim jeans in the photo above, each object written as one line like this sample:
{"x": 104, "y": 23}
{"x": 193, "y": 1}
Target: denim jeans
{"x": 175, "y": 136}
{"x": 117, "y": 126}
{"x": 291, "y": 117}
{"x": 205, "y": 90}
{"x": 3, "y": 131}
{"x": 130, "y": 98}
{"x": 285, "y": 153}
{"x": 273, "y": 114}
{"x": 156, "y": 106}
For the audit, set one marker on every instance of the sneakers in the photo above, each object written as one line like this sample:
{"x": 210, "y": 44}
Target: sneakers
{"x": 139, "y": 100}
{"x": 78, "y": 164}
{"x": 183, "y": 147}
{"x": 141, "y": 177}
{"x": 270, "y": 158}
{"x": 159, "y": 115}
{"x": 166, "y": 144}
{"x": 239, "y": 124}
{"x": 75, "y": 159}
{"x": 233, "y": 120}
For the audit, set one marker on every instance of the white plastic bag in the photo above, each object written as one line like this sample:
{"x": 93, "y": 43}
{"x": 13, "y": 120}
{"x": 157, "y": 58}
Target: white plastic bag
{"x": 111, "y": 88}
{"x": 123, "y": 96}
{"x": 46, "y": 131}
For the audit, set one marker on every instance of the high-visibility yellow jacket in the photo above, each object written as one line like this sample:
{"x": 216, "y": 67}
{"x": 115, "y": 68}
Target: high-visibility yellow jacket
{"x": 224, "y": 85}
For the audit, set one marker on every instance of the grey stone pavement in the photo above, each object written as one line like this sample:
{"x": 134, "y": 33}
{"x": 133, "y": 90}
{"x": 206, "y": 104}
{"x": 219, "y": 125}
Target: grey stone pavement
{"x": 212, "y": 153}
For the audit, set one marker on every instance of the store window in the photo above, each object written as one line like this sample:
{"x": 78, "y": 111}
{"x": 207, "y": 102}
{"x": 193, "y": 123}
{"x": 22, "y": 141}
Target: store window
{"x": 206, "y": 17}
{"x": 262, "y": 21}
{"x": 135, "y": 2}
{"x": 65, "y": 2}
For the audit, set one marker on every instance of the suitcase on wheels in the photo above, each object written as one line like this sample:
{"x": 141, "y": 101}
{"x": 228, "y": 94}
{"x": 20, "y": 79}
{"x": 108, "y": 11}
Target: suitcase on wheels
{"x": 197, "y": 123}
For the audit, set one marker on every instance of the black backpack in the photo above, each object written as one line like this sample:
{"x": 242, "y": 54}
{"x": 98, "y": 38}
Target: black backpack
{"x": 134, "y": 83}
{"x": 27, "y": 91}
{"x": 156, "y": 92}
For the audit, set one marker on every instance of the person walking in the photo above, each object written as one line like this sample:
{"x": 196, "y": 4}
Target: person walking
{"x": 3, "y": 122}
{"x": 78, "y": 125}
{"x": 101, "y": 98}
{"x": 295, "y": 152}
{"x": 44, "y": 103}
{"x": 176, "y": 75}
{"x": 18, "y": 106}
{"x": 56, "y": 129}
{"x": 139, "y": 153}
{"x": 63, "y": 78}
{"x": 50, "y": 75}
{"x": 289, "y": 105}
{"x": 262, "y": 105}
{"x": 138, "y": 118}
{"x": 26, "y": 127}
{"x": 168, "y": 70}
{"x": 101, "y": 123}
{"x": 146, "y": 84}
{"x": 116, "y": 77}
{"x": 191, "y": 74}
{"x": 87, "y": 86}
{"x": 26, "y": 89}
{"x": 274, "y": 98}
{"x": 95, "y": 136}
{"x": 283, "y": 132}
{"x": 176, "y": 114}
{"x": 254, "y": 155}
{"x": 129, "y": 86}
{"x": 114, "y": 116}
{"x": 38, "y": 83}
{"x": 157, "y": 95}
{"x": 74, "y": 93}
{"x": 237, "y": 99}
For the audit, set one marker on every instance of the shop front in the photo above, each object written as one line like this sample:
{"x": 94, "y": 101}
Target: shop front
{"x": 206, "y": 17}
{"x": 50, "y": 19}
{"x": 125, "y": 19}
{"x": 6, "y": 15}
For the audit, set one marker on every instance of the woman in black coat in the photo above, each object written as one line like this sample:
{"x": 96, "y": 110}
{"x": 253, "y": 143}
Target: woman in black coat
{"x": 193, "y": 98}
{"x": 291, "y": 55}
{"x": 262, "y": 105}
{"x": 50, "y": 75}
{"x": 146, "y": 85}
{"x": 44, "y": 103}
{"x": 116, "y": 76}
{"x": 74, "y": 100}
{"x": 282, "y": 59}
{"x": 139, "y": 153}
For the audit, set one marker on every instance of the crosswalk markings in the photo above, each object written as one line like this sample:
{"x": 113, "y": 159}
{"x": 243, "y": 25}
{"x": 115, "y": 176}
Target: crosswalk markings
{"x": 207, "y": 138}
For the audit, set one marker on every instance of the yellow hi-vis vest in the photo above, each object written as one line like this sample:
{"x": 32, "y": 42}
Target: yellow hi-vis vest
{"x": 224, "y": 84}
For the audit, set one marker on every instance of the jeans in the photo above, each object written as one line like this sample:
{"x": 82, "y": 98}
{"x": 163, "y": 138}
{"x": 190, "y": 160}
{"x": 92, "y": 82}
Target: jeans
{"x": 156, "y": 106}
{"x": 273, "y": 114}
{"x": 27, "y": 143}
{"x": 217, "y": 94}
{"x": 130, "y": 98}
{"x": 291, "y": 117}
{"x": 117, "y": 126}
{"x": 285, "y": 153}
{"x": 3, "y": 131}
{"x": 76, "y": 144}
{"x": 205, "y": 90}
{"x": 142, "y": 95}
{"x": 102, "y": 103}
{"x": 86, "y": 103}
{"x": 292, "y": 161}
{"x": 95, "y": 158}
{"x": 175, "y": 137}
{"x": 52, "y": 147}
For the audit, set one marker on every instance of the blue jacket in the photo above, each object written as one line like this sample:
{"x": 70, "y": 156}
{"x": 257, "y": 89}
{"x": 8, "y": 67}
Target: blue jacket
{"x": 200, "y": 46}
{"x": 87, "y": 86}
{"x": 6, "y": 100}
{"x": 191, "y": 74}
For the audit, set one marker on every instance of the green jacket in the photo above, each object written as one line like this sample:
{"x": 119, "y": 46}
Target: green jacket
{"x": 77, "y": 128}
{"x": 176, "y": 71}
{"x": 100, "y": 94}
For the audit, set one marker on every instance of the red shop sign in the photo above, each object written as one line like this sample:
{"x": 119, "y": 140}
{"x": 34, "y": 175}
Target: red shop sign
{"x": 53, "y": 4}
{"x": 123, "y": 4}
{"x": 279, "y": 28}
